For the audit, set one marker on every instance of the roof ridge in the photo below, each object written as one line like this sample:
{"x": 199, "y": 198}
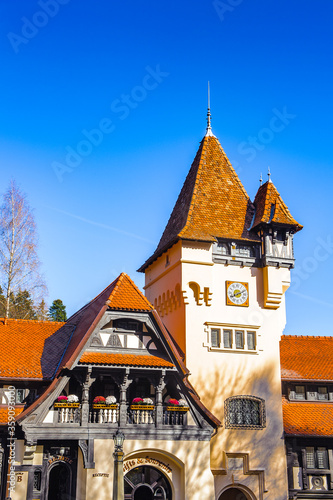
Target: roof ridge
{"x": 308, "y": 337}
{"x": 5, "y": 320}
{"x": 195, "y": 187}
{"x": 120, "y": 281}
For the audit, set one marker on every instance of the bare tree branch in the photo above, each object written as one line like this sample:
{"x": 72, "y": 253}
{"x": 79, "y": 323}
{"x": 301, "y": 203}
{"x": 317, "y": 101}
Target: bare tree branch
{"x": 19, "y": 262}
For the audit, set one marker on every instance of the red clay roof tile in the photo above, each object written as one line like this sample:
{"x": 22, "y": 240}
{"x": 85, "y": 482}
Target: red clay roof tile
{"x": 306, "y": 357}
{"x": 126, "y": 296}
{"x": 22, "y": 345}
{"x": 307, "y": 418}
{"x": 117, "y": 359}
{"x": 271, "y": 208}
{"x": 212, "y": 203}
{"x": 4, "y": 413}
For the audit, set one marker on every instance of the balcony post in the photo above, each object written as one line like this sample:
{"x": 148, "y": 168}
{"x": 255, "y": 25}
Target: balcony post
{"x": 123, "y": 398}
{"x": 159, "y": 403}
{"x": 85, "y": 397}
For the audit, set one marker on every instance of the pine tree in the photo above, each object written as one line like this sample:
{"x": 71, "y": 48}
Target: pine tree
{"x": 22, "y": 306}
{"x": 57, "y": 311}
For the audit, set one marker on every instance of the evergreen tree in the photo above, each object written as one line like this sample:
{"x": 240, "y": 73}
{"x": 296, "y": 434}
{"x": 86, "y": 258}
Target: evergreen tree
{"x": 42, "y": 311}
{"x": 22, "y": 306}
{"x": 57, "y": 311}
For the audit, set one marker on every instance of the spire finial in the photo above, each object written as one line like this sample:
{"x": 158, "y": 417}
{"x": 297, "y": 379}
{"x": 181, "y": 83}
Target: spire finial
{"x": 269, "y": 174}
{"x": 260, "y": 180}
{"x": 209, "y": 127}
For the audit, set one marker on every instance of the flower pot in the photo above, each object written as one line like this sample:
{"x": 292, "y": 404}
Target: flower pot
{"x": 142, "y": 407}
{"x": 178, "y": 408}
{"x": 66, "y": 405}
{"x": 99, "y": 406}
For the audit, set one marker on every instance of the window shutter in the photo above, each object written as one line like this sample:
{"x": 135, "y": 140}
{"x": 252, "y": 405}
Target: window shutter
{"x": 251, "y": 341}
{"x": 322, "y": 458}
{"x": 227, "y": 340}
{"x": 215, "y": 337}
{"x": 310, "y": 459}
{"x": 239, "y": 339}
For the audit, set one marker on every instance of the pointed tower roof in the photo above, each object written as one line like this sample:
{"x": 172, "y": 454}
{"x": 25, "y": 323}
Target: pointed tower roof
{"x": 212, "y": 203}
{"x": 125, "y": 295}
{"x": 270, "y": 208}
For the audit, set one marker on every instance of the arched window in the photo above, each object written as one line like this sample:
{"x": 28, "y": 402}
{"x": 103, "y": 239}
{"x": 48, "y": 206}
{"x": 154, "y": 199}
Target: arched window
{"x": 245, "y": 412}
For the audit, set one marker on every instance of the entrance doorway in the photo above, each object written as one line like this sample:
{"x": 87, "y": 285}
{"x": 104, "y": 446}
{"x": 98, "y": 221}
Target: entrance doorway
{"x": 59, "y": 483}
{"x": 233, "y": 494}
{"x": 146, "y": 483}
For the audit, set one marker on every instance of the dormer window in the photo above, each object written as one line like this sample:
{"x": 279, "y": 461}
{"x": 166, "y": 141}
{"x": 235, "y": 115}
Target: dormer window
{"x": 300, "y": 392}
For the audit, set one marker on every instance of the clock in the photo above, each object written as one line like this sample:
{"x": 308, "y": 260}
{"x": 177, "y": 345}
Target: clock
{"x": 237, "y": 293}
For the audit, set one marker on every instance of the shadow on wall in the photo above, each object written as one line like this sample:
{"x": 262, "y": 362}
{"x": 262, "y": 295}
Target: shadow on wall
{"x": 265, "y": 446}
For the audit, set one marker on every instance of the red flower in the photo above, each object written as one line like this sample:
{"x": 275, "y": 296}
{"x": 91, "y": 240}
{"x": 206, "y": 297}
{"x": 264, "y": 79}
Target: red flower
{"x": 137, "y": 400}
{"x": 99, "y": 399}
{"x": 173, "y": 402}
{"x": 62, "y": 399}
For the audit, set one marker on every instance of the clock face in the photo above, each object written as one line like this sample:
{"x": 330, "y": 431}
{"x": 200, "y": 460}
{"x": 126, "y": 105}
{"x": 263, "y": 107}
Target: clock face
{"x": 237, "y": 293}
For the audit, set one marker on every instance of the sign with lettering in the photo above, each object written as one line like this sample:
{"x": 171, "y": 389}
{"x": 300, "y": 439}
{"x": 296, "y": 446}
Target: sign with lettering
{"x": 136, "y": 462}
{"x": 100, "y": 474}
{"x": 60, "y": 458}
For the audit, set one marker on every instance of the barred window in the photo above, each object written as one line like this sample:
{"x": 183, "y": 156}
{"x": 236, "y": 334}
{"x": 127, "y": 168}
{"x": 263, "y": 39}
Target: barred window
{"x": 37, "y": 480}
{"x": 246, "y": 412}
{"x": 239, "y": 339}
{"x": 227, "y": 339}
{"x": 215, "y": 337}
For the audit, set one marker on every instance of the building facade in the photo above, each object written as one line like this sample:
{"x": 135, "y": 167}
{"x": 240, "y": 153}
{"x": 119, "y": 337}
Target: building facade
{"x": 190, "y": 373}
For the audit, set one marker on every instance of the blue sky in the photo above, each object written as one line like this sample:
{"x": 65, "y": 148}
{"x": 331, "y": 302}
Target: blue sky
{"x": 123, "y": 86}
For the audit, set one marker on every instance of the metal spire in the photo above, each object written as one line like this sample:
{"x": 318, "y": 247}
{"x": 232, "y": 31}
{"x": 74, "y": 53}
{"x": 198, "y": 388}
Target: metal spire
{"x": 269, "y": 174}
{"x": 209, "y": 127}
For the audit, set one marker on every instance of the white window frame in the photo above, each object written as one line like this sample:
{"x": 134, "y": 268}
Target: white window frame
{"x": 224, "y": 328}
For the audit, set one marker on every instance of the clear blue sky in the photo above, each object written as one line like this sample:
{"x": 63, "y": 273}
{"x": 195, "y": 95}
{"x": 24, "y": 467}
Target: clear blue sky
{"x": 138, "y": 72}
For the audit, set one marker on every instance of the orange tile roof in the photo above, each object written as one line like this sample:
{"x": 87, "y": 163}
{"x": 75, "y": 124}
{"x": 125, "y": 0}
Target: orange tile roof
{"x": 271, "y": 208}
{"x": 4, "y": 413}
{"x": 212, "y": 203}
{"x": 24, "y": 349}
{"x": 98, "y": 358}
{"x": 307, "y": 418}
{"x": 126, "y": 296}
{"x": 306, "y": 357}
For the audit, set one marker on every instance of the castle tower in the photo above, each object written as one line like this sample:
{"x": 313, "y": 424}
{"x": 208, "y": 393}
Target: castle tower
{"x": 218, "y": 279}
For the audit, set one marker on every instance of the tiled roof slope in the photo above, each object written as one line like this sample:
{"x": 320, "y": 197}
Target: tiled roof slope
{"x": 4, "y": 413}
{"x": 271, "y": 208}
{"x": 306, "y": 357}
{"x": 307, "y": 418}
{"x": 212, "y": 203}
{"x": 98, "y": 358}
{"x": 126, "y": 296}
{"x": 31, "y": 349}
{"x": 121, "y": 294}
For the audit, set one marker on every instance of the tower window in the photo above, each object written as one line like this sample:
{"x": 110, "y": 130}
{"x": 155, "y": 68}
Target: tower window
{"x": 215, "y": 337}
{"x": 239, "y": 334}
{"x": 247, "y": 412}
{"x": 251, "y": 341}
{"x": 227, "y": 339}
{"x": 322, "y": 393}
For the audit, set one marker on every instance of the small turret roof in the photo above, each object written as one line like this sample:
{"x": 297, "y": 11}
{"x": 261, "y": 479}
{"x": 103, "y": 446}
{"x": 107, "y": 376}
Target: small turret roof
{"x": 271, "y": 208}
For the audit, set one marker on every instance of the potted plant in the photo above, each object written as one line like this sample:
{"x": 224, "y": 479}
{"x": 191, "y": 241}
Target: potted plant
{"x": 142, "y": 404}
{"x": 111, "y": 403}
{"x": 71, "y": 401}
{"x": 175, "y": 405}
{"x": 99, "y": 402}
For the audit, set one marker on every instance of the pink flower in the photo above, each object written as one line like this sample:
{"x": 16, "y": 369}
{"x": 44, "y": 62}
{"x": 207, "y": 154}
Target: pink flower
{"x": 62, "y": 399}
{"x": 173, "y": 402}
{"x": 137, "y": 400}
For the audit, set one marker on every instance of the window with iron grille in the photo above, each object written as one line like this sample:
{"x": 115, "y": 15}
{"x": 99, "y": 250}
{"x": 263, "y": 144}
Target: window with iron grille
{"x": 316, "y": 458}
{"x": 239, "y": 334}
{"x": 215, "y": 337}
{"x": 245, "y": 412}
{"x": 37, "y": 480}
